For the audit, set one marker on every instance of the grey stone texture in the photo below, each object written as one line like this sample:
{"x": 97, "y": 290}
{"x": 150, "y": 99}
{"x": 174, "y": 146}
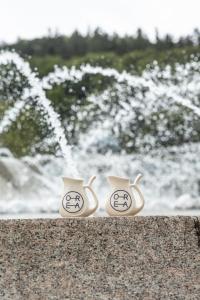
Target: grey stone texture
{"x": 100, "y": 258}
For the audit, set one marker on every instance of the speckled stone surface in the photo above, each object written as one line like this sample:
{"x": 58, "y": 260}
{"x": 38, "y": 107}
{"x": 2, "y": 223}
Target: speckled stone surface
{"x": 100, "y": 258}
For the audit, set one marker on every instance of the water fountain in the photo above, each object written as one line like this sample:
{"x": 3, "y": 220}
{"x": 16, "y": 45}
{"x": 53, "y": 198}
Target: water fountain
{"x": 148, "y": 80}
{"x": 36, "y": 92}
{"x": 154, "y": 91}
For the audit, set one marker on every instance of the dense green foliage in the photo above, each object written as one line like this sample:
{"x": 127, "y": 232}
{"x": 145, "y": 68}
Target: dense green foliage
{"x": 98, "y": 41}
{"x": 134, "y": 62}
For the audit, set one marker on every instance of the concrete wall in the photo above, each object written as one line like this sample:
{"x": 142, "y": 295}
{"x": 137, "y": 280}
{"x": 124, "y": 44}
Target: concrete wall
{"x": 100, "y": 258}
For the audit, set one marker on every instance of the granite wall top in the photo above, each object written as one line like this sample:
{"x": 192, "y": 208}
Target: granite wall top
{"x": 100, "y": 258}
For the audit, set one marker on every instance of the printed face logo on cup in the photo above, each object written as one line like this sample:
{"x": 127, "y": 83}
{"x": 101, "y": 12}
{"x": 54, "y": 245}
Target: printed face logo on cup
{"x": 120, "y": 200}
{"x": 72, "y": 202}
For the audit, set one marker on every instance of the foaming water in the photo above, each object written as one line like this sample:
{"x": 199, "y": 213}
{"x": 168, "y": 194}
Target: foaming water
{"x": 170, "y": 181}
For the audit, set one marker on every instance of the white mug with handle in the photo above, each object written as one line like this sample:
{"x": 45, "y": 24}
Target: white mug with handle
{"x": 75, "y": 202}
{"x": 121, "y": 201}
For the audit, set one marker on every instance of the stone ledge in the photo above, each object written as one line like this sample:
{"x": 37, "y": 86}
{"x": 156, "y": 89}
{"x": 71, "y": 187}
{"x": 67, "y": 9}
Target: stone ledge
{"x": 100, "y": 258}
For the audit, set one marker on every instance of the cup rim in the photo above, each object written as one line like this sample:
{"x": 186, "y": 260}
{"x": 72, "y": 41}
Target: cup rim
{"x": 118, "y": 177}
{"x": 72, "y": 179}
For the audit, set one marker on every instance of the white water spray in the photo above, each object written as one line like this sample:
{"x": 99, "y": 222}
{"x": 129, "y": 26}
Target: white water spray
{"x": 37, "y": 93}
{"x": 148, "y": 80}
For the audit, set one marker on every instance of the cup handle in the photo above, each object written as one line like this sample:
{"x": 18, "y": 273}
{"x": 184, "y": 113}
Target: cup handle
{"x": 88, "y": 186}
{"x": 137, "y": 209}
